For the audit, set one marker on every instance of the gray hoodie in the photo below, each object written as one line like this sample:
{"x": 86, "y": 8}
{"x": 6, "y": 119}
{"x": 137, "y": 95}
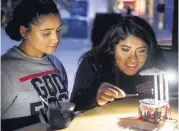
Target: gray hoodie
{"x": 24, "y": 77}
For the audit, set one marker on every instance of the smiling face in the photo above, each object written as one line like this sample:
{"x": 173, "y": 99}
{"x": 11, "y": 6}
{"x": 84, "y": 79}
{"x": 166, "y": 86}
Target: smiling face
{"x": 130, "y": 55}
{"x": 43, "y": 36}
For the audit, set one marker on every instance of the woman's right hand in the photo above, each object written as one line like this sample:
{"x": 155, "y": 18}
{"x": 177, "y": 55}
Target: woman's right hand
{"x": 108, "y": 92}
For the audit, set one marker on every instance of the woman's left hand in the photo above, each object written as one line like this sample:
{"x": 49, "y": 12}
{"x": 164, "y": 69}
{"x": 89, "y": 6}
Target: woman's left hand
{"x": 145, "y": 88}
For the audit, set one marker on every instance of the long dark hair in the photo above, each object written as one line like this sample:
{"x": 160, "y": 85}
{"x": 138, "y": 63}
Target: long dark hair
{"x": 28, "y": 12}
{"x": 103, "y": 53}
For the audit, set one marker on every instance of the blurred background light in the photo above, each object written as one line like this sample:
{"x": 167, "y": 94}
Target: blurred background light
{"x": 172, "y": 76}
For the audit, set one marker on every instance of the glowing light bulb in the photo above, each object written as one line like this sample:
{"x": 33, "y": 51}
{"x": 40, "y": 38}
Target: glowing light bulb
{"x": 171, "y": 76}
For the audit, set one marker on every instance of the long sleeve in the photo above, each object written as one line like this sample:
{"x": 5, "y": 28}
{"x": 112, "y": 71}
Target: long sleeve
{"x": 85, "y": 87}
{"x": 9, "y": 99}
{"x": 7, "y": 94}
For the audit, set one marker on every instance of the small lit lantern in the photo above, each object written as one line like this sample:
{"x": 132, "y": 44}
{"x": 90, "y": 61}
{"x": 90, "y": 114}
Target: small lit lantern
{"x": 157, "y": 109}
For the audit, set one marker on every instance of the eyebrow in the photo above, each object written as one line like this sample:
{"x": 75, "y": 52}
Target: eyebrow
{"x": 131, "y": 47}
{"x": 142, "y": 47}
{"x": 50, "y": 28}
{"x": 126, "y": 46}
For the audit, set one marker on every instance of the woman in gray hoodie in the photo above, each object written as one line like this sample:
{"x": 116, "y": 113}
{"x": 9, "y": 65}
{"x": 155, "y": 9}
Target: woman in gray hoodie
{"x": 29, "y": 70}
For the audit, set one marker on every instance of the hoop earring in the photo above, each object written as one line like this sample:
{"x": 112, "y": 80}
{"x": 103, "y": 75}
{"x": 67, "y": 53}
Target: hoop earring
{"x": 24, "y": 36}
